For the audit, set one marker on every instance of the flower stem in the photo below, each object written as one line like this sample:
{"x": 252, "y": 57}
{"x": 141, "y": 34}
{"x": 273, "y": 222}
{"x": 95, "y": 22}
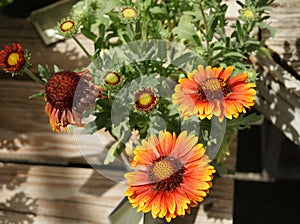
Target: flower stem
{"x": 82, "y": 47}
{"x": 109, "y": 97}
{"x": 36, "y": 79}
{"x": 205, "y": 26}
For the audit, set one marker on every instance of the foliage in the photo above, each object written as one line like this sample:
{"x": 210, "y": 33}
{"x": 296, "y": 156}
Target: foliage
{"x": 201, "y": 26}
{"x": 4, "y": 3}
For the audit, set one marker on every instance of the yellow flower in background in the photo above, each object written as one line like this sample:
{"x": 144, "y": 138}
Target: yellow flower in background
{"x": 129, "y": 14}
{"x": 173, "y": 174}
{"x": 112, "y": 78}
{"x": 208, "y": 92}
{"x": 145, "y": 99}
{"x": 67, "y": 27}
{"x": 247, "y": 14}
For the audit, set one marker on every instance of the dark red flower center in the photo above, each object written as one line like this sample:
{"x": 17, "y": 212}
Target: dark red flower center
{"x": 166, "y": 173}
{"x": 212, "y": 88}
{"x": 60, "y": 89}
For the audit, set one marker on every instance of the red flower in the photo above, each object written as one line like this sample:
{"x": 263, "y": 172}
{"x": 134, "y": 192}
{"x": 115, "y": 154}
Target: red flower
{"x": 12, "y": 58}
{"x": 172, "y": 175}
{"x": 69, "y": 95}
{"x": 209, "y": 92}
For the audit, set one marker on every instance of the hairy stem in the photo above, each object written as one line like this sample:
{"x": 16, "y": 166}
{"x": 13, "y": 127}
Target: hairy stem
{"x": 82, "y": 47}
{"x": 36, "y": 79}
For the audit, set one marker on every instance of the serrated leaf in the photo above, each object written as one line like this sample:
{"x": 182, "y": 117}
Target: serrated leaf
{"x": 185, "y": 29}
{"x": 110, "y": 157}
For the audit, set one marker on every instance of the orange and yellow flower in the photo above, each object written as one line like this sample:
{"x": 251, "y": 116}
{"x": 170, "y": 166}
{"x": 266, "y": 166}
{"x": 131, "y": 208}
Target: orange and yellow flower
{"x": 209, "y": 92}
{"x": 69, "y": 95}
{"x": 173, "y": 174}
{"x": 12, "y": 58}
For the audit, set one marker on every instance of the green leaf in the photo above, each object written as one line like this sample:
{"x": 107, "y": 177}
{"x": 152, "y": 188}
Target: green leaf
{"x": 56, "y": 68}
{"x": 110, "y": 157}
{"x": 87, "y": 33}
{"x": 212, "y": 27}
{"x": 240, "y": 33}
{"x": 183, "y": 59}
{"x": 45, "y": 72}
{"x": 243, "y": 122}
{"x": 124, "y": 213}
{"x": 159, "y": 10}
{"x": 185, "y": 29}
{"x": 234, "y": 54}
{"x": 41, "y": 94}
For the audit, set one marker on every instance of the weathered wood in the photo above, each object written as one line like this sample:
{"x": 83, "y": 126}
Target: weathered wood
{"x": 285, "y": 19}
{"x": 56, "y": 195}
{"x": 79, "y": 195}
{"x": 279, "y": 97}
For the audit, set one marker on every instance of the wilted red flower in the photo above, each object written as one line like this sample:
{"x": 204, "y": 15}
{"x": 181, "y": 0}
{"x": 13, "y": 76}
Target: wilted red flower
{"x": 12, "y": 58}
{"x": 69, "y": 95}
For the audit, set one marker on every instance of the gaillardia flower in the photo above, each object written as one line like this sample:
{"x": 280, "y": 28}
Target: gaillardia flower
{"x": 67, "y": 27}
{"x": 173, "y": 174}
{"x": 247, "y": 14}
{"x": 69, "y": 95}
{"x": 129, "y": 14}
{"x": 12, "y": 58}
{"x": 211, "y": 91}
{"x": 145, "y": 99}
{"x": 112, "y": 78}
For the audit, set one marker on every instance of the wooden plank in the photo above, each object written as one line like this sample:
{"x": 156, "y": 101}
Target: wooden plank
{"x": 278, "y": 97}
{"x": 56, "y": 195}
{"x": 44, "y": 194}
{"x": 285, "y": 19}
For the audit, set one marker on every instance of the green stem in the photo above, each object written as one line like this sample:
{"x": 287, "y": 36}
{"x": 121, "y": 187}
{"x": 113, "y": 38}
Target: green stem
{"x": 82, "y": 47}
{"x": 109, "y": 97}
{"x": 36, "y": 79}
{"x": 205, "y": 26}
